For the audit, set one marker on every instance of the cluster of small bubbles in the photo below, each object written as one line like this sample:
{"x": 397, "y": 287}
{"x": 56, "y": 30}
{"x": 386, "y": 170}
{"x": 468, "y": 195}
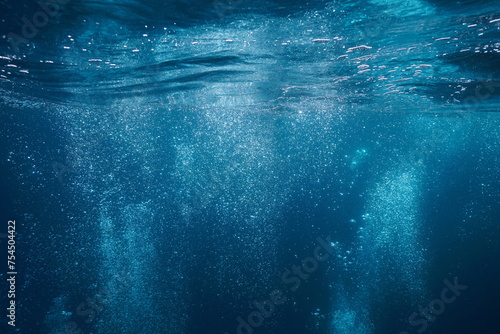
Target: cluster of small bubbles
{"x": 334, "y": 244}
{"x": 57, "y": 317}
{"x": 318, "y": 317}
{"x": 390, "y": 239}
{"x": 358, "y": 157}
{"x": 347, "y": 321}
{"x": 347, "y": 260}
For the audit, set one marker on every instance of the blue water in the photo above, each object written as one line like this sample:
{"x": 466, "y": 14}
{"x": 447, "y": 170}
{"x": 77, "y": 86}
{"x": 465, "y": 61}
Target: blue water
{"x": 325, "y": 167}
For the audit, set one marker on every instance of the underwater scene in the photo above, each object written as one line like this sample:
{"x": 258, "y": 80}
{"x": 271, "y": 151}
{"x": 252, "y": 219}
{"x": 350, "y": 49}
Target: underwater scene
{"x": 250, "y": 167}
